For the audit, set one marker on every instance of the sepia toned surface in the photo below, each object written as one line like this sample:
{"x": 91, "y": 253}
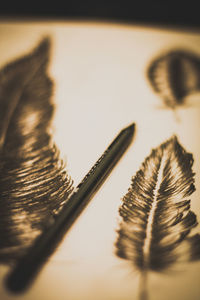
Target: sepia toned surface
{"x": 100, "y": 86}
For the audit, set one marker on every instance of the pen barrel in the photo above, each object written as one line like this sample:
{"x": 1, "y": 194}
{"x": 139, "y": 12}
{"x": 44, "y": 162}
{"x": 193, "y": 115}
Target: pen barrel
{"x": 27, "y": 268}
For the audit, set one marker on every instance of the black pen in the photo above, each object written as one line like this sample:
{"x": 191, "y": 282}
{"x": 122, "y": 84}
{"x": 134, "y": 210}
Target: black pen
{"x": 29, "y": 265}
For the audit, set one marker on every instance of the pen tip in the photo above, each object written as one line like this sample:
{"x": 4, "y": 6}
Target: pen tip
{"x": 131, "y": 127}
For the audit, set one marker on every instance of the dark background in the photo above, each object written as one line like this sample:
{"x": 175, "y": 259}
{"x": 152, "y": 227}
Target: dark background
{"x": 173, "y": 13}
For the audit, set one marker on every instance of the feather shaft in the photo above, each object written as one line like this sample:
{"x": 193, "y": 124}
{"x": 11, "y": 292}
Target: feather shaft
{"x": 143, "y": 293}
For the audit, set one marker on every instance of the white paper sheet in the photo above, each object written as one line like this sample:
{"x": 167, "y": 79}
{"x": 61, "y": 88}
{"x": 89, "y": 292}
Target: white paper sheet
{"x": 99, "y": 72}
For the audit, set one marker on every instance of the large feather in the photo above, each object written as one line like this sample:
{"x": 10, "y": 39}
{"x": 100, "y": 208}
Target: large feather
{"x": 33, "y": 182}
{"x": 156, "y": 215}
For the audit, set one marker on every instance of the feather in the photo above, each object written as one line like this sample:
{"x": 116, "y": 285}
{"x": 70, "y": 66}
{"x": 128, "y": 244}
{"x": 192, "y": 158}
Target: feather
{"x": 33, "y": 182}
{"x": 156, "y": 218}
{"x": 175, "y": 75}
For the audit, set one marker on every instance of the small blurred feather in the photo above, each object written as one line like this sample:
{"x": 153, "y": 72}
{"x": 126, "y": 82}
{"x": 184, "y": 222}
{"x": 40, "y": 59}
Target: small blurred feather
{"x": 33, "y": 182}
{"x": 174, "y": 76}
{"x": 156, "y": 216}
